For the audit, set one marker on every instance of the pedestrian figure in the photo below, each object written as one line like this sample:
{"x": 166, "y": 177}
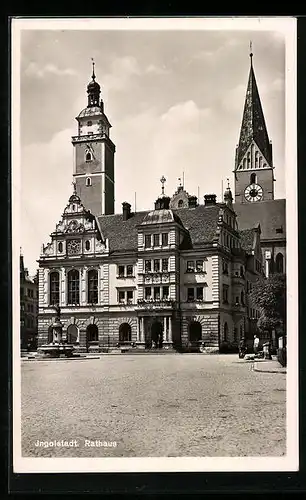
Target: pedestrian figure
{"x": 256, "y": 344}
{"x": 242, "y": 348}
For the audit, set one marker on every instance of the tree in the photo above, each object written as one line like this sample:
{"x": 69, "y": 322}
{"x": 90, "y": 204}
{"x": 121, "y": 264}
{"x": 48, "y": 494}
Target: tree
{"x": 269, "y": 295}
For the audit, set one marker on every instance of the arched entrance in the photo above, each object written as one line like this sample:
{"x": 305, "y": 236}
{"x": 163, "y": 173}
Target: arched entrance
{"x": 92, "y": 335}
{"x": 195, "y": 332}
{"x": 50, "y": 334}
{"x": 157, "y": 334}
{"x": 72, "y": 334}
{"x": 125, "y": 333}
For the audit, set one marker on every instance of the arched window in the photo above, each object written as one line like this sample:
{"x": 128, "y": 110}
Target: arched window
{"x": 180, "y": 204}
{"x": 253, "y": 179}
{"x": 72, "y": 334}
{"x": 88, "y": 181}
{"x": 92, "y": 333}
{"x": 244, "y": 163}
{"x": 241, "y": 331}
{"x": 87, "y": 245}
{"x": 256, "y": 159}
{"x": 241, "y": 272}
{"x": 225, "y": 332}
{"x": 92, "y": 286}
{"x": 242, "y": 298}
{"x": 60, "y": 247}
{"x": 88, "y": 156}
{"x": 54, "y": 288}
{"x": 125, "y": 333}
{"x": 249, "y": 160}
{"x": 279, "y": 263}
{"x": 73, "y": 287}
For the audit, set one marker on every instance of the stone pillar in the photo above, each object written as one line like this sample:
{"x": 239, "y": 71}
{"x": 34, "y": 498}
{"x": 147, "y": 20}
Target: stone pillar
{"x": 138, "y": 330}
{"x": 165, "y": 336}
{"x": 170, "y": 331}
{"x": 140, "y": 333}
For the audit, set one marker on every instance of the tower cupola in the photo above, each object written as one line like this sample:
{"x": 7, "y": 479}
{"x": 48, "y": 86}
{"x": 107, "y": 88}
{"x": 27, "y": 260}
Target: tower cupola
{"x": 93, "y": 89}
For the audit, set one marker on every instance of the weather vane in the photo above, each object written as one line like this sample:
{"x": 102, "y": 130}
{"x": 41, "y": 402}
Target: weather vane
{"x": 228, "y": 184}
{"x": 163, "y": 180}
{"x": 251, "y": 53}
{"x": 74, "y": 187}
{"x": 180, "y": 181}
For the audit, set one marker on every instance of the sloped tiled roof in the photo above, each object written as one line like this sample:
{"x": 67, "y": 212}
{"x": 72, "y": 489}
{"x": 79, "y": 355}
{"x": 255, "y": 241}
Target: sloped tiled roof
{"x": 247, "y": 239}
{"x": 201, "y": 222}
{"x": 271, "y": 215}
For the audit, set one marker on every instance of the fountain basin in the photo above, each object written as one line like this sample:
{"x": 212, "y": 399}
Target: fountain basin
{"x": 56, "y": 350}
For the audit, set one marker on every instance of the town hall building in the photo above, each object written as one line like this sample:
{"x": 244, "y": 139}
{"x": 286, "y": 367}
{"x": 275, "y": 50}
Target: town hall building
{"x": 176, "y": 276}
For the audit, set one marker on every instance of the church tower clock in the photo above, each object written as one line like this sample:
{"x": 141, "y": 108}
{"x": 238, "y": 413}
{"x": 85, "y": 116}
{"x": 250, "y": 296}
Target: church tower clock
{"x": 254, "y": 178}
{"x": 94, "y": 155}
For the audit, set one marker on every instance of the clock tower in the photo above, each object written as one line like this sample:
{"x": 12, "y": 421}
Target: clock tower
{"x": 93, "y": 172}
{"x": 254, "y": 177}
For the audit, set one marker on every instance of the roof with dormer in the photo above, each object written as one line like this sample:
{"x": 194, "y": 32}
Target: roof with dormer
{"x": 201, "y": 223}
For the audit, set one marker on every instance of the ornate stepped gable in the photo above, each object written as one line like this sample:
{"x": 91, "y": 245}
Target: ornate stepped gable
{"x": 76, "y": 226}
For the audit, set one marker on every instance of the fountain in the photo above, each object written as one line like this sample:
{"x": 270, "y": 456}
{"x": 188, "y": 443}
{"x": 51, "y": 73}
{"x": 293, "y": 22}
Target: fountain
{"x": 57, "y": 347}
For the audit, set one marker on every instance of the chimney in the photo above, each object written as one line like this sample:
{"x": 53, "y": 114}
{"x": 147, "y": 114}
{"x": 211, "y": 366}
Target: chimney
{"x": 126, "y": 210}
{"x": 209, "y": 199}
{"x": 192, "y": 202}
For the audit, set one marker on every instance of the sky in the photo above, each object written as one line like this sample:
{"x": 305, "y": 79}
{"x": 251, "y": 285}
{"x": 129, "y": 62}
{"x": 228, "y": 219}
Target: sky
{"x": 175, "y": 101}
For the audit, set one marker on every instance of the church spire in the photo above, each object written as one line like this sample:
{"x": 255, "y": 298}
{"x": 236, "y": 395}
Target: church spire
{"x": 253, "y": 127}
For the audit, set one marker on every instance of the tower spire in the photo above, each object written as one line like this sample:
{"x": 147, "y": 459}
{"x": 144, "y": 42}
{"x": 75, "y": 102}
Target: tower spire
{"x": 93, "y": 76}
{"x": 93, "y": 89}
{"x": 253, "y": 127}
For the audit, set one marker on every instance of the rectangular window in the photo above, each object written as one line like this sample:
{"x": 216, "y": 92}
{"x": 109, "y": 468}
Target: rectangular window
{"x": 156, "y": 293}
{"x": 129, "y": 270}
{"x": 147, "y": 241}
{"x": 200, "y": 295}
{"x": 165, "y": 264}
{"x": 120, "y": 271}
{"x": 165, "y": 239}
{"x": 129, "y": 296}
{"x": 190, "y": 266}
{"x": 156, "y": 240}
{"x": 199, "y": 266}
{"x": 148, "y": 266}
{"x": 93, "y": 286}
{"x": 148, "y": 292}
{"x": 225, "y": 294}
{"x": 156, "y": 265}
{"x": 225, "y": 267}
{"x": 121, "y": 297}
{"x": 190, "y": 294}
{"x": 165, "y": 292}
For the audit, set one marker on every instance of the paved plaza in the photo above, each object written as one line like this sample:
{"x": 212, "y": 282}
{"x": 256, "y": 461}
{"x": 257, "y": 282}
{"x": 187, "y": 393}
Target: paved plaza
{"x": 160, "y": 405}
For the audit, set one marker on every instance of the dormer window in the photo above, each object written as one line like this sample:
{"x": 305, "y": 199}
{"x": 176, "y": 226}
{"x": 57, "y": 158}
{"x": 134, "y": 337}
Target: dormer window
{"x": 60, "y": 247}
{"x": 88, "y": 156}
{"x": 88, "y": 181}
{"x": 89, "y": 123}
{"x": 180, "y": 204}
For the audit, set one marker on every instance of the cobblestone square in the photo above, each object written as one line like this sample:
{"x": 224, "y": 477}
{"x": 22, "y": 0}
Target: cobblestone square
{"x": 168, "y": 405}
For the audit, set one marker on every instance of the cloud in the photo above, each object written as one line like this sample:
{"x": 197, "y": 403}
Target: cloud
{"x": 233, "y": 101}
{"x": 124, "y": 70}
{"x": 34, "y": 70}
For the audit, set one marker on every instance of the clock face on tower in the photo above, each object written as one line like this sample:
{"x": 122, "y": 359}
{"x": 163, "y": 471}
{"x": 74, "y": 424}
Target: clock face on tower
{"x": 253, "y": 192}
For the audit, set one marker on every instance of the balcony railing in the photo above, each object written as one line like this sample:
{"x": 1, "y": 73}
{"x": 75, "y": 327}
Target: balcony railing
{"x": 155, "y": 303}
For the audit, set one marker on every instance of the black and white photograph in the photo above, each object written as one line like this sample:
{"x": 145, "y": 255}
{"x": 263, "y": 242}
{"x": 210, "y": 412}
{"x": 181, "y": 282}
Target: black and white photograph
{"x": 154, "y": 220}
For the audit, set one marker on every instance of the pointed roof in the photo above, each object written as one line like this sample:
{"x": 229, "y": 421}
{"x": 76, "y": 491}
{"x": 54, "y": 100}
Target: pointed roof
{"x": 253, "y": 125}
